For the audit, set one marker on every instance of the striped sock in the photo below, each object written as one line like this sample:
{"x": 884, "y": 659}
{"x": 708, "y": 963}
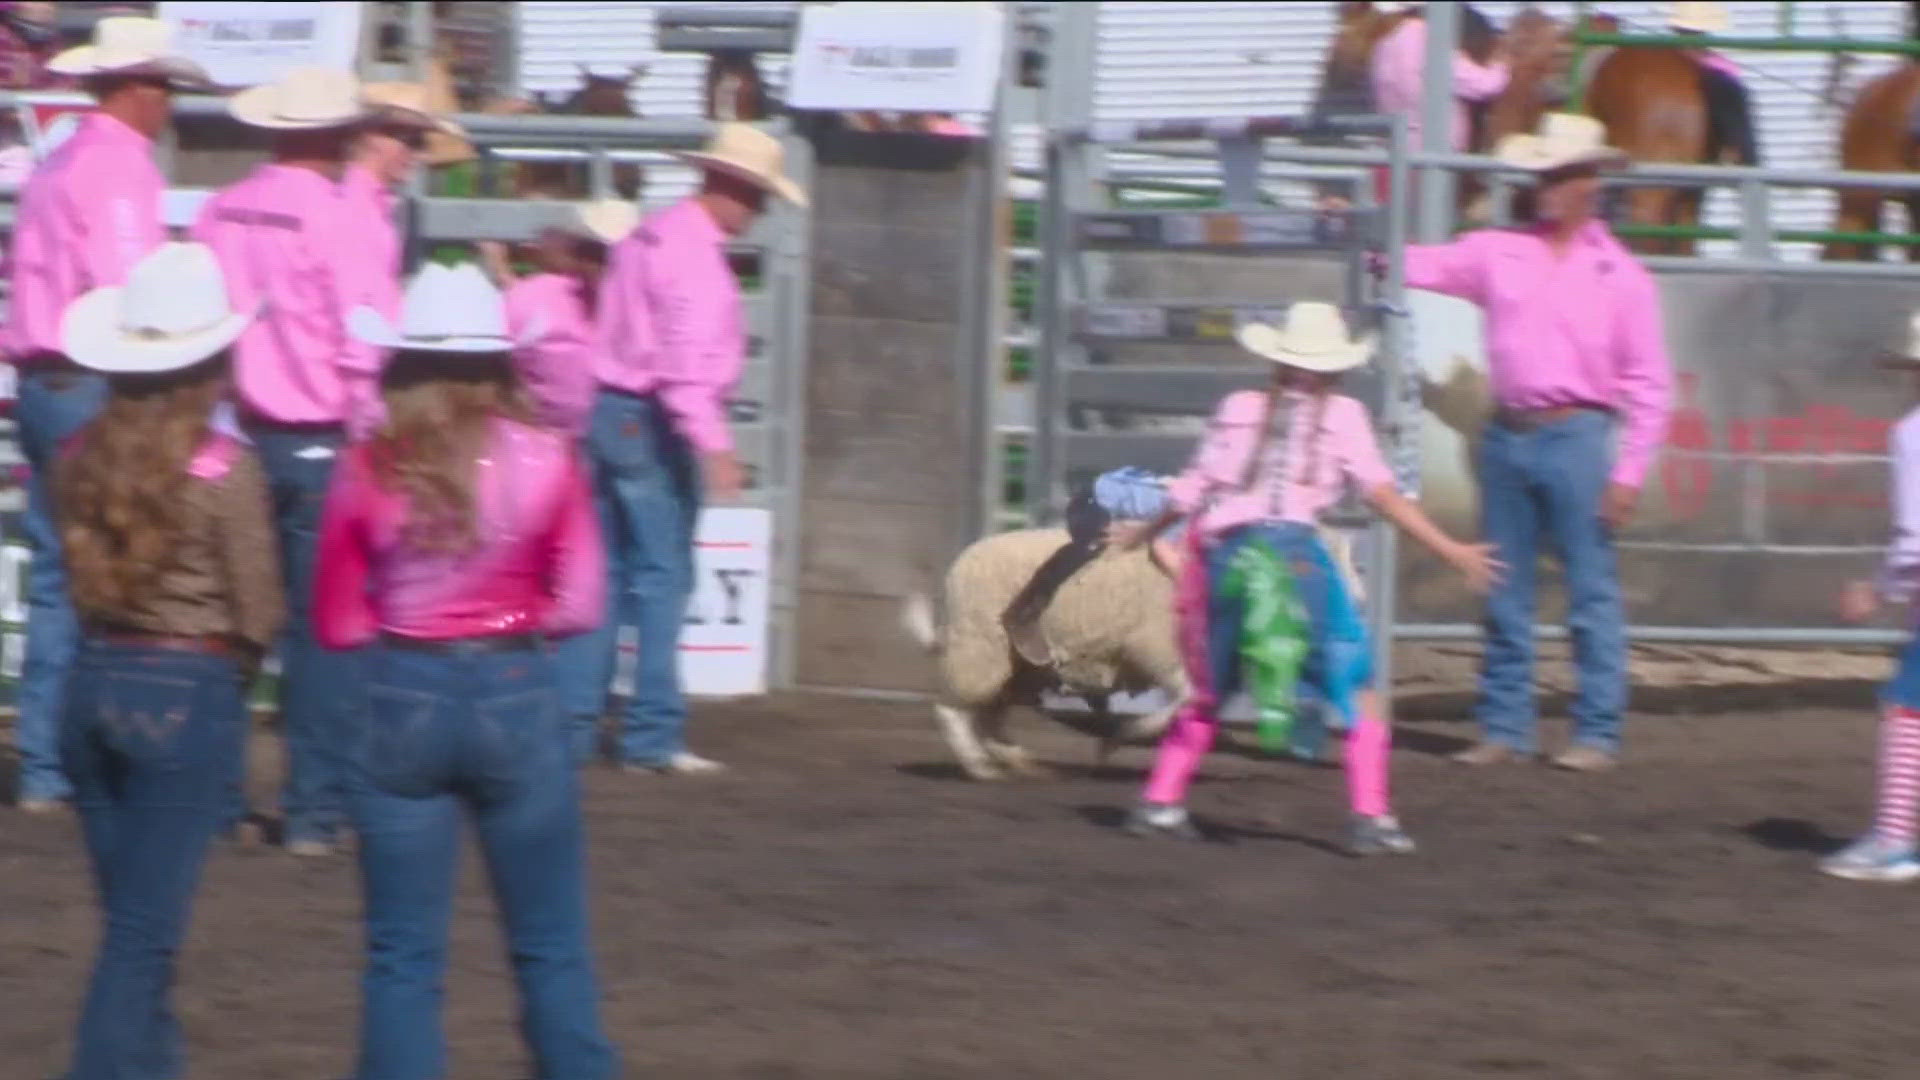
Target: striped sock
{"x": 1899, "y": 776}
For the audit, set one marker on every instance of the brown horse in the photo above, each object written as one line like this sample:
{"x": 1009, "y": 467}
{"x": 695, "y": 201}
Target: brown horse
{"x": 1878, "y": 137}
{"x": 597, "y": 95}
{"x": 734, "y": 88}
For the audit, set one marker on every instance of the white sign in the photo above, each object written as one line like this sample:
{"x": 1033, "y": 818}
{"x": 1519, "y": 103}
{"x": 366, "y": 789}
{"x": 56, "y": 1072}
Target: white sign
{"x": 901, "y": 58}
{"x": 723, "y": 644}
{"x": 250, "y": 44}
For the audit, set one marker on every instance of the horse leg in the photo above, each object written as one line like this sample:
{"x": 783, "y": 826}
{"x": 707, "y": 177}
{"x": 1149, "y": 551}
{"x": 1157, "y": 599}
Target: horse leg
{"x": 1686, "y": 211}
{"x": 1912, "y": 202}
{"x": 1859, "y": 212}
{"x": 1649, "y": 206}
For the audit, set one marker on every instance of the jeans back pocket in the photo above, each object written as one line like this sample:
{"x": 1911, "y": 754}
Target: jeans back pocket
{"x": 398, "y": 751}
{"x": 145, "y": 716}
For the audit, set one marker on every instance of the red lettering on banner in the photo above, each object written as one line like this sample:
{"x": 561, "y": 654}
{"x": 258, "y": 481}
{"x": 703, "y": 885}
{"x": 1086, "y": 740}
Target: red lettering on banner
{"x": 1820, "y": 429}
{"x": 1689, "y": 479}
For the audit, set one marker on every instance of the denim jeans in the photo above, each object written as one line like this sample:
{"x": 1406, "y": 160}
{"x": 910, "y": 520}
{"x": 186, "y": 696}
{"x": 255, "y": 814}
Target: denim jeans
{"x": 150, "y": 741}
{"x": 481, "y": 735}
{"x": 320, "y": 689}
{"x": 1547, "y": 484}
{"x": 647, "y": 489}
{"x": 53, "y": 404}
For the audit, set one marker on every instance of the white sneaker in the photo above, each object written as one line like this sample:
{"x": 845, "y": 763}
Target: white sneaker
{"x": 682, "y": 764}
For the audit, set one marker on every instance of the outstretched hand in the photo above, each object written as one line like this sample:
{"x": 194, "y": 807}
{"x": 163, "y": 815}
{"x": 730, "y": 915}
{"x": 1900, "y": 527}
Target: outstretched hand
{"x": 1478, "y": 564}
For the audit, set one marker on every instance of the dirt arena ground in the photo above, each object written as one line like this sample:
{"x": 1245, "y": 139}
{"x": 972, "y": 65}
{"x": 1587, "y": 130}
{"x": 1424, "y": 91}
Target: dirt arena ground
{"x": 842, "y": 907}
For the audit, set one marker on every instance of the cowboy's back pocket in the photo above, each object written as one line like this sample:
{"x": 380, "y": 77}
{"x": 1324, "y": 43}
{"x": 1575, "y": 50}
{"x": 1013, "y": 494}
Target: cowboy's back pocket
{"x": 145, "y": 716}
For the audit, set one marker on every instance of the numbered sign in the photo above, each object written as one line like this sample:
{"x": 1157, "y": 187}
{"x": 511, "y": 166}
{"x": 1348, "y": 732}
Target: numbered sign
{"x": 723, "y": 644}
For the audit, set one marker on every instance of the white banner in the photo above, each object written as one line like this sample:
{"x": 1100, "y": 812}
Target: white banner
{"x": 249, "y": 44}
{"x": 903, "y": 58}
{"x": 723, "y": 644}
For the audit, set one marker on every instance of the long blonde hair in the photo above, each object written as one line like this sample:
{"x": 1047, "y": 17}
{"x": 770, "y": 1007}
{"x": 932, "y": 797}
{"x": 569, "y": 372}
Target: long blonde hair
{"x": 122, "y": 490}
{"x": 440, "y": 414}
{"x": 1320, "y": 387}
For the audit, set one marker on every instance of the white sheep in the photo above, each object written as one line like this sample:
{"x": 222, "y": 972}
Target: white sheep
{"x": 1109, "y": 629}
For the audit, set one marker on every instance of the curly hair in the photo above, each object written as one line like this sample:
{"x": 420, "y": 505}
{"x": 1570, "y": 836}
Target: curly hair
{"x": 440, "y": 412}
{"x": 121, "y": 488}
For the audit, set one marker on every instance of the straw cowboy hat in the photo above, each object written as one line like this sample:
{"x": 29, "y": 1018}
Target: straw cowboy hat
{"x": 606, "y": 220}
{"x": 129, "y": 45}
{"x": 1699, "y": 18}
{"x": 1393, "y": 7}
{"x": 744, "y": 151}
{"x": 172, "y": 313}
{"x": 304, "y": 99}
{"x": 1564, "y": 141}
{"x": 1314, "y": 339}
{"x": 446, "y": 309}
{"x": 414, "y": 105}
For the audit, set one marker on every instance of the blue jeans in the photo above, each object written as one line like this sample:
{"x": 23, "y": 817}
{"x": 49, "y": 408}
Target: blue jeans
{"x": 1548, "y": 484}
{"x": 53, "y": 404}
{"x": 150, "y": 742}
{"x": 647, "y": 489}
{"x": 481, "y": 735}
{"x": 320, "y": 689}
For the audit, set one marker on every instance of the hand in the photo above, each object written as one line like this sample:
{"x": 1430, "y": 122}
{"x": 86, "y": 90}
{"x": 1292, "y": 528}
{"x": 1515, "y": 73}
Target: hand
{"x": 1616, "y": 507}
{"x": 1476, "y": 562}
{"x": 1377, "y": 265}
{"x": 1126, "y": 535}
{"x": 723, "y": 475}
{"x": 495, "y": 260}
{"x": 1858, "y": 602}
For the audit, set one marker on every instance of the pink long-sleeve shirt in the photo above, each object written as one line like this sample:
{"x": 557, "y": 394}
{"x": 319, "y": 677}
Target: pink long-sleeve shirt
{"x": 376, "y": 246}
{"x": 555, "y": 367}
{"x": 1399, "y": 62}
{"x": 86, "y": 216}
{"x": 1300, "y": 472}
{"x": 670, "y": 321}
{"x": 1582, "y": 328}
{"x": 285, "y": 236}
{"x": 538, "y": 567}
{"x": 1709, "y": 58}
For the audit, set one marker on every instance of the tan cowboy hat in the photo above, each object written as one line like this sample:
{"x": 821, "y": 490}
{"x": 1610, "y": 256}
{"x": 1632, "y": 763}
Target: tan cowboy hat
{"x": 1314, "y": 339}
{"x": 606, "y": 220}
{"x": 1393, "y": 7}
{"x": 744, "y": 151}
{"x": 172, "y": 313}
{"x": 413, "y": 104}
{"x": 1699, "y": 18}
{"x": 129, "y": 45}
{"x": 1564, "y": 140}
{"x": 304, "y": 99}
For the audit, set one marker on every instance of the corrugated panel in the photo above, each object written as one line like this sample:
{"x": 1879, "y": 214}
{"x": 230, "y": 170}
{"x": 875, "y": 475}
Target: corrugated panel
{"x": 556, "y": 36}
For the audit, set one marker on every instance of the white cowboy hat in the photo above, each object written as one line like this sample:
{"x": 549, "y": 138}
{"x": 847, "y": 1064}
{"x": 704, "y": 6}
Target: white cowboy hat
{"x": 606, "y": 220}
{"x": 1699, "y": 17}
{"x": 303, "y": 99}
{"x": 129, "y": 45}
{"x": 1564, "y": 140}
{"x": 1393, "y": 7}
{"x": 172, "y": 313}
{"x": 449, "y": 309}
{"x": 744, "y": 151}
{"x": 1315, "y": 339}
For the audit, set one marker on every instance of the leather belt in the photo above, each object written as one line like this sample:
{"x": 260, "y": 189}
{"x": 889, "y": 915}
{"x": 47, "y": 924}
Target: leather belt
{"x": 465, "y": 646}
{"x": 1534, "y": 419}
{"x": 201, "y": 644}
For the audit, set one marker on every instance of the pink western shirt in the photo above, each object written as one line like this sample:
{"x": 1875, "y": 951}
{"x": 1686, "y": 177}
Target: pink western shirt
{"x": 1300, "y": 473}
{"x": 1399, "y": 61}
{"x": 86, "y": 216}
{"x": 671, "y": 323}
{"x": 538, "y": 566}
{"x": 376, "y": 250}
{"x": 1582, "y": 328}
{"x": 556, "y": 367}
{"x": 285, "y": 237}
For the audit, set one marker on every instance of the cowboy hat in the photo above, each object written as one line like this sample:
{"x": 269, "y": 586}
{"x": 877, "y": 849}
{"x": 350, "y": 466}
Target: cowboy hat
{"x": 446, "y": 309}
{"x": 407, "y": 104}
{"x": 744, "y": 151}
{"x": 172, "y": 313}
{"x": 1393, "y": 7}
{"x": 129, "y": 45}
{"x": 1565, "y": 140}
{"x": 303, "y": 99}
{"x": 606, "y": 220}
{"x": 1314, "y": 339}
{"x": 1699, "y": 18}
